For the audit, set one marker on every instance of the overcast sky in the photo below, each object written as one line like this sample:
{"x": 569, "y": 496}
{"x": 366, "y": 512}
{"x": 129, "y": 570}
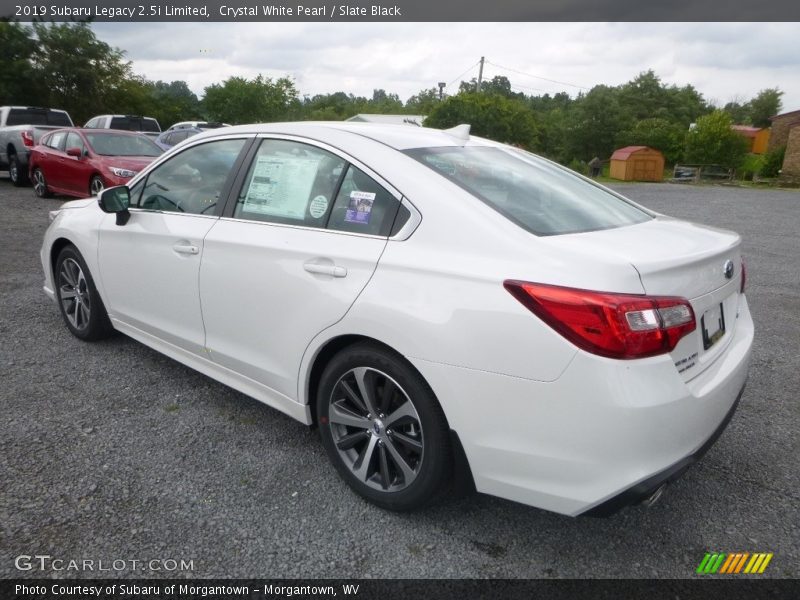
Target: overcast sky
{"x": 724, "y": 61}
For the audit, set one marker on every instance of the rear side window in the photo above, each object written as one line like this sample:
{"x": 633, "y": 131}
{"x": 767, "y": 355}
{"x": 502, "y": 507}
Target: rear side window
{"x": 56, "y": 140}
{"x": 537, "y": 195}
{"x": 37, "y": 116}
{"x": 363, "y": 206}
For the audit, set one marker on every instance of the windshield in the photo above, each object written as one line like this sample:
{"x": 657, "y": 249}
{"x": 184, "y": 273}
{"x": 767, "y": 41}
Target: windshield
{"x": 135, "y": 124}
{"x": 534, "y": 193}
{"x": 109, "y": 144}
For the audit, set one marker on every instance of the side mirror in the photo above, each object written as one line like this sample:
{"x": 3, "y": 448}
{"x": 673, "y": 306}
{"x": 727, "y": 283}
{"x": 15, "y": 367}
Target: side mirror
{"x": 76, "y": 152}
{"x": 116, "y": 200}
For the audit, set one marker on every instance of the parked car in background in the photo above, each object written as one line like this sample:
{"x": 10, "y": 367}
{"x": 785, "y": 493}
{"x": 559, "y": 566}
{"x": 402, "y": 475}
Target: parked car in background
{"x": 81, "y": 162}
{"x": 434, "y": 302}
{"x": 147, "y": 125}
{"x": 172, "y": 137}
{"x": 20, "y": 130}
{"x": 201, "y": 124}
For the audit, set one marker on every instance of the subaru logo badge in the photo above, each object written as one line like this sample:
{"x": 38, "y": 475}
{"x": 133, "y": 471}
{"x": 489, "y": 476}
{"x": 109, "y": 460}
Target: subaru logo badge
{"x": 727, "y": 269}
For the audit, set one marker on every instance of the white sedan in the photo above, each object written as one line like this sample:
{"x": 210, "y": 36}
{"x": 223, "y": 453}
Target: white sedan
{"x": 434, "y": 303}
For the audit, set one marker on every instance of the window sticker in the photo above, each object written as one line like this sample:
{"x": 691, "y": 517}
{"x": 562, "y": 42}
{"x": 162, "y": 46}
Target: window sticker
{"x": 281, "y": 186}
{"x": 360, "y": 207}
{"x": 318, "y": 207}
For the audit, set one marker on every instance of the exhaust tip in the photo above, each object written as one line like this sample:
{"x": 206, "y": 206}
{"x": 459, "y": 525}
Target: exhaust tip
{"x": 655, "y": 496}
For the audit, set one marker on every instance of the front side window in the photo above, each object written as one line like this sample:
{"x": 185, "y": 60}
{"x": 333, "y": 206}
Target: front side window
{"x": 192, "y": 181}
{"x": 290, "y": 183}
{"x": 74, "y": 141}
{"x": 537, "y": 195}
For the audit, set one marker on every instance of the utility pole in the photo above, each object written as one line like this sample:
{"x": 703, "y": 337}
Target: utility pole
{"x": 442, "y": 85}
{"x": 480, "y": 75}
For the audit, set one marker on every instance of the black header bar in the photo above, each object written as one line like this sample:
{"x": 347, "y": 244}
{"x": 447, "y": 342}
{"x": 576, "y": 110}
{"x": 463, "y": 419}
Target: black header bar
{"x": 126, "y": 11}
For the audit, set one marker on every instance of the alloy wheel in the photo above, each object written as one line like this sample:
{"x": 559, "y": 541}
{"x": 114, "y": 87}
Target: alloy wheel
{"x": 376, "y": 429}
{"x": 96, "y": 186}
{"x": 39, "y": 184}
{"x": 73, "y": 293}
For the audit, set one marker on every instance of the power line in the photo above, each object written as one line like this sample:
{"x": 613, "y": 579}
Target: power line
{"x": 537, "y": 76}
{"x": 464, "y": 73}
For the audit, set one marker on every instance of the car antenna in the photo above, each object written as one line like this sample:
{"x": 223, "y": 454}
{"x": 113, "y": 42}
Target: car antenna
{"x": 460, "y": 132}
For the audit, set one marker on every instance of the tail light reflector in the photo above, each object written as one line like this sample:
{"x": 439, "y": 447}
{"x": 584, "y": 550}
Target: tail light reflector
{"x": 27, "y": 138}
{"x": 624, "y": 326}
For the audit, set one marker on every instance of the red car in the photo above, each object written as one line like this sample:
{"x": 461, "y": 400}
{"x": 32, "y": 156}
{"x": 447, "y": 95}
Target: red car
{"x": 81, "y": 162}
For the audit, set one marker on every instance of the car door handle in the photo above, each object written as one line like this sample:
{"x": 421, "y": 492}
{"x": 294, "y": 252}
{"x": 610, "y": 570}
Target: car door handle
{"x": 331, "y": 270}
{"x": 186, "y": 249}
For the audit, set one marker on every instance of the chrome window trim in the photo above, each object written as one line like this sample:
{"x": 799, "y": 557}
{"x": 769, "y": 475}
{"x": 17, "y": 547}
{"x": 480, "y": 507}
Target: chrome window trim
{"x": 147, "y": 211}
{"x": 306, "y": 227}
{"x": 411, "y": 225}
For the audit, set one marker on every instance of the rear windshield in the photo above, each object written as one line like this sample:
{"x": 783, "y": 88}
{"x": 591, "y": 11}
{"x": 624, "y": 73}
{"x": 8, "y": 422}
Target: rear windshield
{"x": 134, "y": 124}
{"x": 37, "y": 116}
{"x": 534, "y": 193}
{"x": 109, "y": 144}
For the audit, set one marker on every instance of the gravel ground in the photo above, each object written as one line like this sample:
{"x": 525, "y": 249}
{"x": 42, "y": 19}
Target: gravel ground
{"x": 110, "y": 451}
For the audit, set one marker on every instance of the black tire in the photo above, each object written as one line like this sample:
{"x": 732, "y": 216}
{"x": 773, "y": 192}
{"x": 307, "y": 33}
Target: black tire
{"x": 80, "y": 304}
{"x": 399, "y": 458}
{"x": 96, "y": 185}
{"x": 40, "y": 184}
{"x": 17, "y": 174}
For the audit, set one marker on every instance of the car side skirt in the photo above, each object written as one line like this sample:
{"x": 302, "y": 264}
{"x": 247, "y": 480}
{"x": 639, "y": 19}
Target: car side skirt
{"x": 262, "y": 393}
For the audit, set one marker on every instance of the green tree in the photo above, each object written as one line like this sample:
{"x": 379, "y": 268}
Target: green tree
{"x": 492, "y": 116}
{"x": 595, "y": 120}
{"x": 78, "y": 72}
{"x": 384, "y": 103}
{"x": 646, "y": 97}
{"x": 173, "y": 102}
{"x": 330, "y": 107}
{"x": 657, "y": 133}
{"x": 423, "y": 102}
{"x": 712, "y": 141}
{"x": 766, "y": 104}
{"x": 18, "y": 81}
{"x": 499, "y": 84}
{"x": 740, "y": 113}
{"x": 773, "y": 162}
{"x": 239, "y": 100}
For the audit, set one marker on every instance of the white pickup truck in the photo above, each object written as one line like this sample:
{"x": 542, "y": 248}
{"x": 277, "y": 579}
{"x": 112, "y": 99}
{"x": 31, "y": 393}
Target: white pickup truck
{"x": 20, "y": 130}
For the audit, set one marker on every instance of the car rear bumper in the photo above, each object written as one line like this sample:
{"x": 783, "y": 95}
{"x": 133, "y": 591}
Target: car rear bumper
{"x": 647, "y": 488}
{"x": 605, "y": 432}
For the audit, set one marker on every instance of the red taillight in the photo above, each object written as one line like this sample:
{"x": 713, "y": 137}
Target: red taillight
{"x": 613, "y": 325}
{"x": 744, "y": 277}
{"x": 27, "y": 138}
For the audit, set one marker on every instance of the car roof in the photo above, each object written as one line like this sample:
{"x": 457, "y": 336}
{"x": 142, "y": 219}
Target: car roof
{"x": 399, "y": 137}
{"x": 123, "y": 116}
